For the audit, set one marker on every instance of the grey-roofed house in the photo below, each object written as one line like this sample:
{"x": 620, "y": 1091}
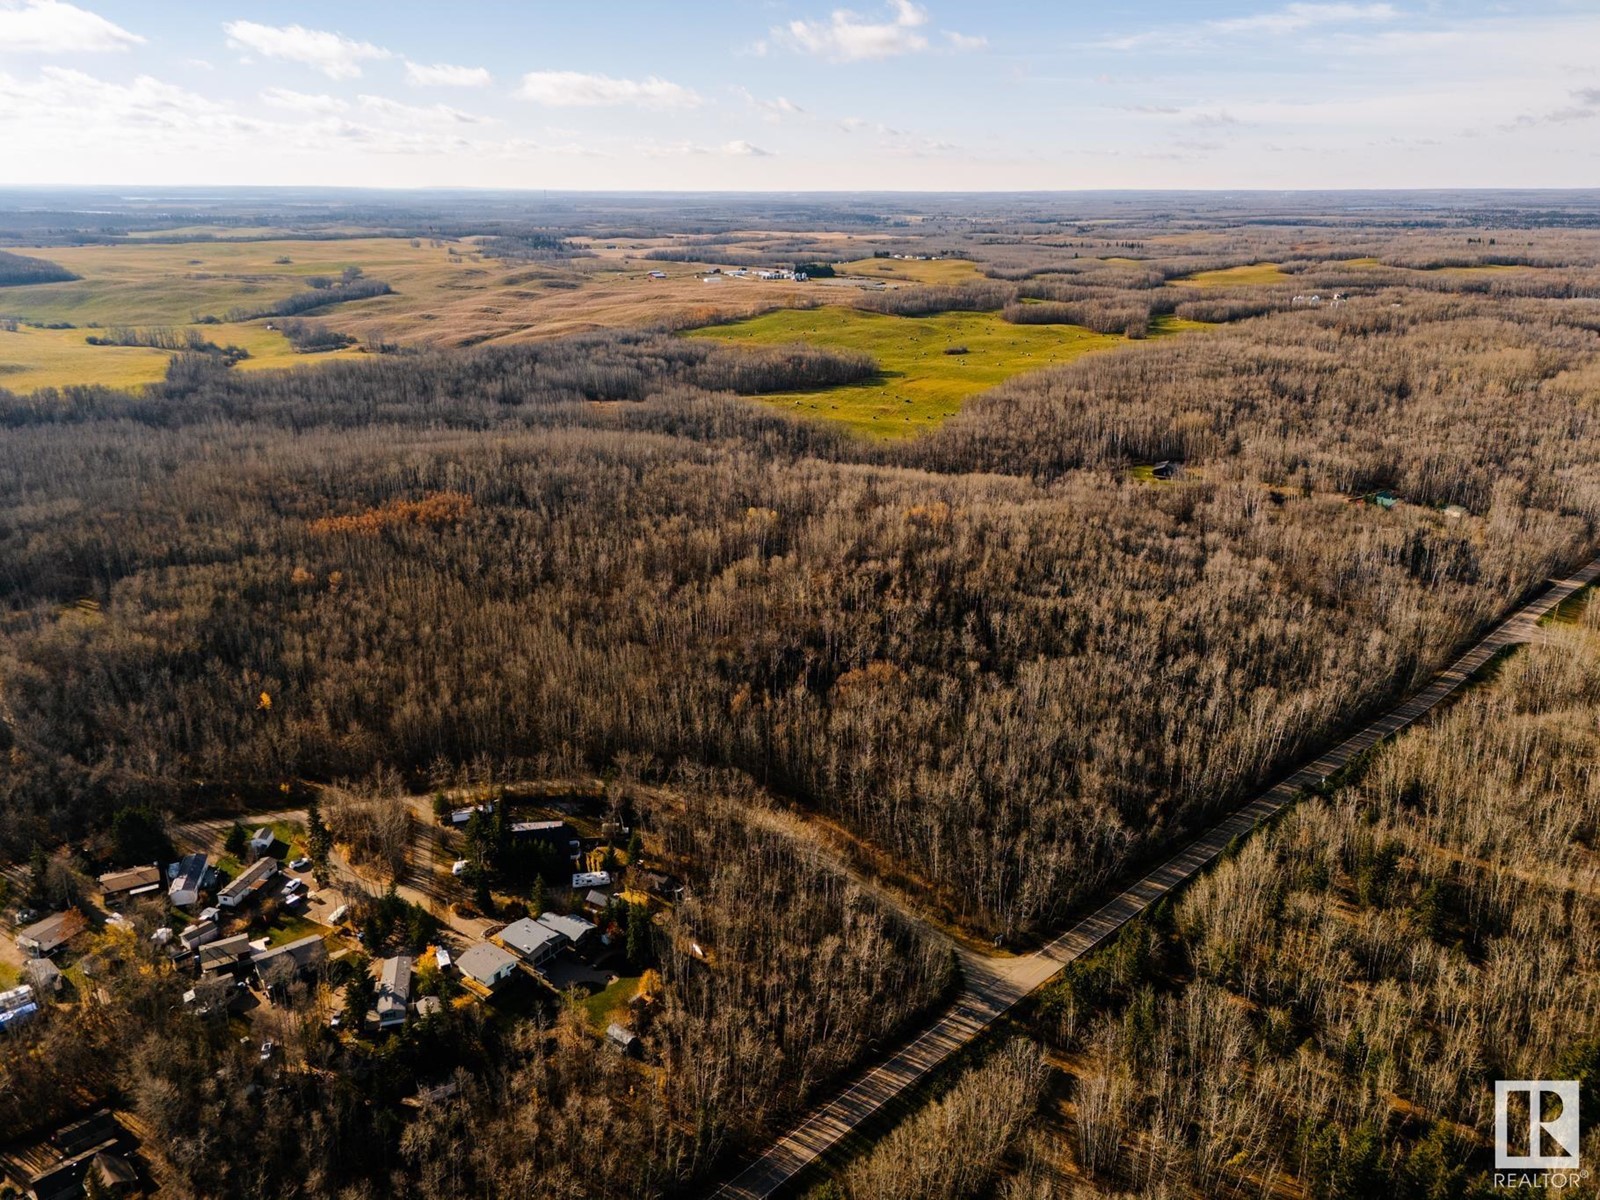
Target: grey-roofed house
{"x": 249, "y": 883}
{"x": 530, "y": 941}
{"x": 570, "y": 929}
{"x": 597, "y": 899}
{"x": 394, "y": 991}
{"x": 262, "y": 840}
{"x": 486, "y": 964}
{"x": 189, "y": 880}
{"x": 199, "y": 934}
{"x": 225, "y": 954}
{"x": 303, "y": 953}
{"x": 47, "y": 936}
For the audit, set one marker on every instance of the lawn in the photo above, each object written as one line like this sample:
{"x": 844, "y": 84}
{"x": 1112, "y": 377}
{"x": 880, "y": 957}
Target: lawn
{"x": 599, "y": 1007}
{"x": 937, "y": 270}
{"x": 1251, "y": 275}
{"x": 290, "y": 927}
{"x": 919, "y": 385}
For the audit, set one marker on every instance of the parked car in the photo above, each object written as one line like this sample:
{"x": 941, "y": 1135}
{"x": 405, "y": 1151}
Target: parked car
{"x": 300, "y": 864}
{"x": 267, "y": 1047}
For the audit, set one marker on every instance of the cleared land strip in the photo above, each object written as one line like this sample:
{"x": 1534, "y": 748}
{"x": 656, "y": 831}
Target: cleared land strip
{"x": 994, "y": 986}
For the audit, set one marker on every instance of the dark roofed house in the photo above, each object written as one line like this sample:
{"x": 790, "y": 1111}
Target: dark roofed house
{"x": 1167, "y": 470}
{"x": 226, "y": 954}
{"x": 47, "y": 936}
{"x": 188, "y": 880}
{"x": 290, "y": 958}
{"x": 394, "y": 991}
{"x": 119, "y": 886}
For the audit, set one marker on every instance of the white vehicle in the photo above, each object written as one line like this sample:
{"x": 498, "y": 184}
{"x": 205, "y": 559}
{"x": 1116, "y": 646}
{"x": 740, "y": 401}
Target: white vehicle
{"x": 459, "y": 867}
{"x": 338, "y": 914}
{"x": 300, "y": 864}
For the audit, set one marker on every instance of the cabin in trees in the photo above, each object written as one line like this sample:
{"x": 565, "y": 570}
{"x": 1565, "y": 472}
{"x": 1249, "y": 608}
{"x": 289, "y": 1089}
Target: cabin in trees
{"x": 118, "y": 887}
{"x": 49, "y": 935}
{"x": 188, "y": 877}
{"x": 394, "y": 991}
{"x": 251, "y": 882}
{"x": 624, "y": 1039}
{"x": 486, "y": 965}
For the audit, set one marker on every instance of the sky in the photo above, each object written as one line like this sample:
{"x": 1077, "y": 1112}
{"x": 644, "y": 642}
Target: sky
{"x": 787, "y": 95}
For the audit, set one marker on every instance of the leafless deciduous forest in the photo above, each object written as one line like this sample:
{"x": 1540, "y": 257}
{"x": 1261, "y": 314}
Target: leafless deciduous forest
{"x": 1327, "y": 1011}
{"x": 1004, "y": 658}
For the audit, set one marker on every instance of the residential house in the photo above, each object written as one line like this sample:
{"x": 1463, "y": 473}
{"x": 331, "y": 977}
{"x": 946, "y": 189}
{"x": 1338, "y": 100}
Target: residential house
{"x": 250, "y": 883}
{"x": 530, "y": 941}
{"x": 199, "y": 934}
{"x": 575, "y": 930}
{"x": 224, "y": 954}
{"x": 394, "y": 991}
{"x": 486, "y": 965}
{"x": 262, "y": 841}
{"x": 49, "y": 935}
{"x": 189, "y": 877}
{"x": 301, "y": 955}
{"x": 1167, "y": 470}
{"x": 118, "y": 887}
{"x": 597, "y": 900}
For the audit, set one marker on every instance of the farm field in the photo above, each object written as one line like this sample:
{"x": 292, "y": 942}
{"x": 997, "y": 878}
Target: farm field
{"x": 445, "y": 294}
{"x": 911, "y": 270}
{"x": 1249, "y": 275}
{"x": 920, "y": 385}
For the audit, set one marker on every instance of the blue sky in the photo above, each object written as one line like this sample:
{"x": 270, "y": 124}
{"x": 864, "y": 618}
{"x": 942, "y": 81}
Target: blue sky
{"x": 796, "y": 94}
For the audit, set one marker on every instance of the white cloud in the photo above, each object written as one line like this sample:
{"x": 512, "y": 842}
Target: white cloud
{"x": 440, "y": 114}
{"x": 743, "y": 149}
{"x": 962, "y": 41}
{"x": 54, "y": 27}
{"x": 445, "y": 75}
{"x": 335, "y": 55}
{"x": 575, "y": 89}
{"x": 302, "y": 102}
{"x": 1294, "y": 17}
{"x": 1291, "y": 19}
{"x": 849, "y": 37}
{"x": 774, "y": 110}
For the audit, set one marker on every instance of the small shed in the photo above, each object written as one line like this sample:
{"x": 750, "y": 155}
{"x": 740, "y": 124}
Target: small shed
{"x": 625, "y": 1040}
{"x": 262, "y": 840}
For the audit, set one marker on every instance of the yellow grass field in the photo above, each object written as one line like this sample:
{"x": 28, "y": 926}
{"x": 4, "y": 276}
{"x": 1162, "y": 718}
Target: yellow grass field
{"x": 1252, "y": 275}
{"x": 903, "y": 270}
{"x": 919, "y": 385}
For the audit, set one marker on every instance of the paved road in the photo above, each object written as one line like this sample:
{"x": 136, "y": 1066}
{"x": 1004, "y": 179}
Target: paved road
{"x": 993, "y": 986}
